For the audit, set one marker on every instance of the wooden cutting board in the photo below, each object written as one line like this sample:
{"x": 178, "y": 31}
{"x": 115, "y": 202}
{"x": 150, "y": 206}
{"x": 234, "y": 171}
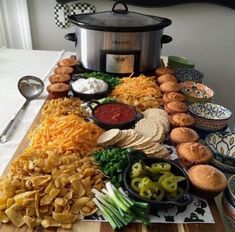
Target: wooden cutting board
{"x": 82, "y": 226}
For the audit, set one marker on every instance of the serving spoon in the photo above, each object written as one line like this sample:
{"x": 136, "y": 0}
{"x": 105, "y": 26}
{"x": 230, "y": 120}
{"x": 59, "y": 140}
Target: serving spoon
{"x": 30, "y": 87}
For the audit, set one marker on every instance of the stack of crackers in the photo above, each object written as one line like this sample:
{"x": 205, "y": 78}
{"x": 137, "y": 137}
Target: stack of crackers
{"x": 132, "y": 139}
{"x": 154, "y": 125}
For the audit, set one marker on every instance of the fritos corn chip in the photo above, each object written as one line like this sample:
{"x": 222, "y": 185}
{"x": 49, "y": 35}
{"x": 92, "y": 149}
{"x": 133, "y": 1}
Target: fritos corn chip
{"x": 52, "y": 194}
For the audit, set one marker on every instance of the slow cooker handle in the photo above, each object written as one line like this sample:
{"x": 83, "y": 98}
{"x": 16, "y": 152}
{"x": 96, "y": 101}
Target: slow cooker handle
{"x": 71, "y": 37}
{"x": 165, "y": 39}
{"x": 120, "y": 11}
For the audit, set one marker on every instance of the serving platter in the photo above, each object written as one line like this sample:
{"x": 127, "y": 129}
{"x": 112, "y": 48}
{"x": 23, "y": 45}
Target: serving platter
{"x": 98, "y": 223}
{"x": 94, "y": 226}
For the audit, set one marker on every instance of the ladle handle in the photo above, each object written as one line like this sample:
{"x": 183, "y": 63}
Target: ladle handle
{"x": 4, "y": 137}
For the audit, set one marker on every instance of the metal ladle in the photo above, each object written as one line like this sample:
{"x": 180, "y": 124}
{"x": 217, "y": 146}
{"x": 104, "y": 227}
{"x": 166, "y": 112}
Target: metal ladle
{"x": 30, "y": 87}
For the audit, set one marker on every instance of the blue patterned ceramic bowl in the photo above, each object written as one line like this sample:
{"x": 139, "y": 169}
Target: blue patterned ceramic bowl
{"x": 189, "y": 74}
{"x": 196, "y": 92}
{"x": 210, "y": 116}
{"x": 228, "y": 211}
{"x": 231, "y": 190}
{"x": 226, "y": 169}
{"x": 223, "y": 146}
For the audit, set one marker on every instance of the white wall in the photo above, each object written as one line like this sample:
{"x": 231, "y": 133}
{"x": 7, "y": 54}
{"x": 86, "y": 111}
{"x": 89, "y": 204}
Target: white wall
{"x": 203, "y": 32}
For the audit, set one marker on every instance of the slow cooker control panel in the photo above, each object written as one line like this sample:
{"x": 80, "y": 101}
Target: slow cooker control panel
{"x": 120, "y": 62}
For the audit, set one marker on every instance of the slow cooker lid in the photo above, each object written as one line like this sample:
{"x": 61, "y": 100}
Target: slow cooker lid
{"x": 119, "y": 20}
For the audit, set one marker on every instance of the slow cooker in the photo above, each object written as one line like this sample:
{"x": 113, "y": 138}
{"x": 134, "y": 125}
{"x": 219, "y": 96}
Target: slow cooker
{"x": 119, "y": 41}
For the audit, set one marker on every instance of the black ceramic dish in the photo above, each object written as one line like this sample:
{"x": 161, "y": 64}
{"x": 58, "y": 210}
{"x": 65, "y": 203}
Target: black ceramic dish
{"x": 181, "y": 202}
{"x": 90, "y": 96}
{"x": 107, "y": 126}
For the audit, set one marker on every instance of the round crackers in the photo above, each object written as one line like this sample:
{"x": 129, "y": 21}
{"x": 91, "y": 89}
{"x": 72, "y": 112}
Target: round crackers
{"x": 131, "y": 138}
{"x": 109, "y": 137}
{"x": 155, "y": 124}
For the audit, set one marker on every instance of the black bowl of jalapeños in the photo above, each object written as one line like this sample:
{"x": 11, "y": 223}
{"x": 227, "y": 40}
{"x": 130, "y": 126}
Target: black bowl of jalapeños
{"x": 183, "y": 198}
{"x": 113, "y": 115}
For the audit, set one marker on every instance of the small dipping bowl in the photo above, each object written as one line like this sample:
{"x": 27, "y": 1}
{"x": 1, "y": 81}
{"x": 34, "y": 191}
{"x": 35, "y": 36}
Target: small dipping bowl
{"x": 223, "y": 146}
{"x": 189, "y": 74}
{"x": 176, "y": 62}
{"x": 196, "y": 92}
{"x": 90, "y": 96}
{"x": 113, "y": 115}
{"x": 209, "y": 116}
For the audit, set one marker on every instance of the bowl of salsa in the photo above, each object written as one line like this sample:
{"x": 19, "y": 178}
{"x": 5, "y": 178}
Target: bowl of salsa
{"x": 113, "y": 115}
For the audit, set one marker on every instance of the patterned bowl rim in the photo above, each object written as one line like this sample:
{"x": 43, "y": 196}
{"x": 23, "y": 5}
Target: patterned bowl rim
{"x": 221, "y": 135}
{"x": 229, "y": 189}
{"x": 229, "y": 169}
{"x": 190, "y": 70}
{"x": 216, "y": 162}
{"x": 228, "y": 206}
{"x": 196, "y": 84}
{"x": 191, "y": 110}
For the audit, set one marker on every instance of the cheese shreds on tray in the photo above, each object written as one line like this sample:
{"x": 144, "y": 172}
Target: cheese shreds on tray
{"x": 64, "y": 133}
{"x": 62, "y": 107}
{"x": 140, "y": 92}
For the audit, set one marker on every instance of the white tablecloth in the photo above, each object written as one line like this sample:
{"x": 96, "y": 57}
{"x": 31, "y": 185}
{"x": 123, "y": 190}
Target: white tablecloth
{"x": 13, "y": 65}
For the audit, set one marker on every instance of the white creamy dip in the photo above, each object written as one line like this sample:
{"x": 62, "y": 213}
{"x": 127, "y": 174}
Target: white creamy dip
{"x": 90, "y": 85}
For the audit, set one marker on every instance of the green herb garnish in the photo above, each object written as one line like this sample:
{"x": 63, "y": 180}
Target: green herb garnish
{"x": 112, "y": 81}
{"x": 112, "y": 162}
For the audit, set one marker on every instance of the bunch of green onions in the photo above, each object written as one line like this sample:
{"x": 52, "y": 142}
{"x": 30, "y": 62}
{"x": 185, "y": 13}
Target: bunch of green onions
{"x": 118, "y": 209}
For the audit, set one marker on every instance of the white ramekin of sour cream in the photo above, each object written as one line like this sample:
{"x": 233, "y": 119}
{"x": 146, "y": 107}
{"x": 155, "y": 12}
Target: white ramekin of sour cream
{"x": 90, "y": 85}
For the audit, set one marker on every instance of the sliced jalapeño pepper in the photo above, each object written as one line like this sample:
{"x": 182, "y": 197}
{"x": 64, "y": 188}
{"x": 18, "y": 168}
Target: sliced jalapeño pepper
{"x": 145, "y": 183}
{"x": 136, "y": 170}
{"x": 135, "y": 183}
{"x": 179, "y": 178}
{"x": 158, "y": 192}
{"x": 167, "y": 174}
{"x": 169, "y": 184}
{"x": 147, "y": 169}
{"x": 160, "y": 167}
{"x": 146, "y": 193}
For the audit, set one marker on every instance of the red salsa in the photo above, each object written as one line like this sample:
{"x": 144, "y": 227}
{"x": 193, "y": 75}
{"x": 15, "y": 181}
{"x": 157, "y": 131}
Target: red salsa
{"x": 114, "y": 113}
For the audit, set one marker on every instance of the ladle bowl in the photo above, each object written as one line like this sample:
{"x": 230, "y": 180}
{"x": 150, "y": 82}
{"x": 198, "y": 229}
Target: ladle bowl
{"x": 30, "y": 88}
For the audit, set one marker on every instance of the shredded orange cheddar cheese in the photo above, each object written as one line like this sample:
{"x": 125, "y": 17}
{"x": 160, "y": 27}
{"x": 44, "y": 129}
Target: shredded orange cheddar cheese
{"x": 141, "y": 92}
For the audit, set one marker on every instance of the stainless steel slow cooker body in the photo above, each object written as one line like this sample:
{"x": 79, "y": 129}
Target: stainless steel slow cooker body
{"x": 119, "y": 41}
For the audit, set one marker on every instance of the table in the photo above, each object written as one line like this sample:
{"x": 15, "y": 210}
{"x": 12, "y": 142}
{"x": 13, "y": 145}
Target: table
{"x": 13, "y": 65}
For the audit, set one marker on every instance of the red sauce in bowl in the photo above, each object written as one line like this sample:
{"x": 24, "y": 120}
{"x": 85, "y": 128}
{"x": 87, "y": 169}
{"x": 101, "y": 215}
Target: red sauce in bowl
{"x": 114, "y": 113}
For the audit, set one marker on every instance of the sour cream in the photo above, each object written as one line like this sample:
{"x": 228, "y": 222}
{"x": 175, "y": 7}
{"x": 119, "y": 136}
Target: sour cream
{"x": 89, "y": 86}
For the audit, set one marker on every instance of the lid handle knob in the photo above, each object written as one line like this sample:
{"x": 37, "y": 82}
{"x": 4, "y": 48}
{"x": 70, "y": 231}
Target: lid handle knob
{"x": 120, "y": 11}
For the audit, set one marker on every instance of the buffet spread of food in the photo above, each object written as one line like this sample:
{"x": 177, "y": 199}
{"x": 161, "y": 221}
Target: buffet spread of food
{"x": 100, "y": 147}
